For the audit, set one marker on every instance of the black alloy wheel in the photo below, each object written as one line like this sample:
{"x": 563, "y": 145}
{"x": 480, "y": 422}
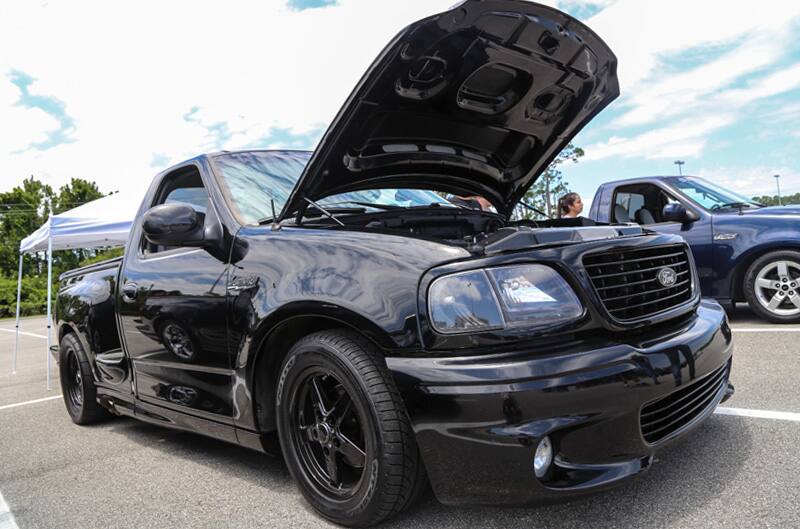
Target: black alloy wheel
{"x": 74, "y": 391}
{"x": 344, "y": 430}
{"x": 330, "y": 437}
{"x": 178, "y": 341}
{"x": 77, "y": 383}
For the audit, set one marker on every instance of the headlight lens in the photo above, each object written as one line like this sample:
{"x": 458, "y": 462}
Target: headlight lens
{"x": 463, "y": 303}
{"x": 529, "y": 296}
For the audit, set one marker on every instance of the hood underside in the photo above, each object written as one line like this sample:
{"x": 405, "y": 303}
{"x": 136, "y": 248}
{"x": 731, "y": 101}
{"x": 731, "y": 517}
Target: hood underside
{"x": 477, "y": 100}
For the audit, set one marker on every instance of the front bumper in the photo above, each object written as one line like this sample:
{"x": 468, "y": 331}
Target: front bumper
{"x": 478, "y": 420}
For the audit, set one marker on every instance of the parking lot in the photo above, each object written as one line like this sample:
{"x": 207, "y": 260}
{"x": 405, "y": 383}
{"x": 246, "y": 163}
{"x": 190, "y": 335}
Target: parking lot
{"x": 741, "y": 469}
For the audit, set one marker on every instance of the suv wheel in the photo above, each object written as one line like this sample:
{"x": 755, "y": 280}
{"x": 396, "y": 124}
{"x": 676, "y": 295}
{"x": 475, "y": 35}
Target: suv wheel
{"x": 344, "y": 431}
{"x": 772, "y": 286}
{"x": 77, "y": 383}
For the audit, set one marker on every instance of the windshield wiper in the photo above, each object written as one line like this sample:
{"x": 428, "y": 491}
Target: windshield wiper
{"x": 316, "y": 210}
{"x": 385, "y": 207}
{"x": 739, "y": 205}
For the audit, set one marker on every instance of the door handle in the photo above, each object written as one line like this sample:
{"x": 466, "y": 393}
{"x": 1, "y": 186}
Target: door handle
{"x": 130, "y": 291}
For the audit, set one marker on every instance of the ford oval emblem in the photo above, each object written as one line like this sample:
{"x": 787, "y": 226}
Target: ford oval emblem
{"x": 667, "y": 276}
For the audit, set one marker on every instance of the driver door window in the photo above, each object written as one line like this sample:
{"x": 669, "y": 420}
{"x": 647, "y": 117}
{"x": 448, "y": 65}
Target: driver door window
{"x": 642, "y": 203}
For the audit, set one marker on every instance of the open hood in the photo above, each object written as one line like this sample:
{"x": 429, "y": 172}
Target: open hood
{"x": 477, "y": 100}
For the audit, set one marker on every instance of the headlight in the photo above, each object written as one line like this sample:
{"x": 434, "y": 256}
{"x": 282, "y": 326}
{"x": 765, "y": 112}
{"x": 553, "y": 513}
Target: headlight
{"x": 529, "y": 296}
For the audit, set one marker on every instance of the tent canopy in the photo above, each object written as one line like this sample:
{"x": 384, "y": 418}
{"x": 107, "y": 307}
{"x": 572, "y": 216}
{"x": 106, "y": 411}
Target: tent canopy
{"x": 102, "y": 222}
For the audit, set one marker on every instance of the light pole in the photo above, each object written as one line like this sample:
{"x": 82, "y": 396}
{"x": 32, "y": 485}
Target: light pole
{"x": 680, "y": 163}
{"x": 778, "y": 183}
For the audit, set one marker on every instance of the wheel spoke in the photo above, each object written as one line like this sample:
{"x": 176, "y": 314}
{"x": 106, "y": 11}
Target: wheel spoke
{"x": 795, "y": 299}
{"x": 332, "y": 466}
{"x": 775, "y": 301}
{"x": 340, "y": 408}
{"x": 353, "y": 455}
{"x": 765, "y": 283}
{"x": 318, "y": 398}
{"x": 305, "y": 431}
{"x": 783, "y": 270}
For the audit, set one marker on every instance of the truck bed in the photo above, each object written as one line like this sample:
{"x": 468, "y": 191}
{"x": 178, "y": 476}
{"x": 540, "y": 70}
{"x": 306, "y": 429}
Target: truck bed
{"x": 86, "y": 304}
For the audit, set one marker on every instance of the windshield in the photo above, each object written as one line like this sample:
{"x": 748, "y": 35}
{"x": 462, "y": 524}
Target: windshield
{"x": 251, "y": 180}
{"x": 709, "y": 195}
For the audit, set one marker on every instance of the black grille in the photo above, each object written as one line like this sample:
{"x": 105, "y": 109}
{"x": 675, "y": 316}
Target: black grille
{"x": 662, "y": 417}
{"x": 627, "y": 280}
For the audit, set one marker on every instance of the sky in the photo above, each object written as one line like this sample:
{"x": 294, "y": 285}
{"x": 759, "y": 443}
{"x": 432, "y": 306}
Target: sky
{"x": 115, "y": 92}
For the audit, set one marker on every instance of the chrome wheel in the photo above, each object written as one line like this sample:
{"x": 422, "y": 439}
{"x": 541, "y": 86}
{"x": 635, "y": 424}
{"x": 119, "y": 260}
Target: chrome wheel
{"x": 776, "y": 288}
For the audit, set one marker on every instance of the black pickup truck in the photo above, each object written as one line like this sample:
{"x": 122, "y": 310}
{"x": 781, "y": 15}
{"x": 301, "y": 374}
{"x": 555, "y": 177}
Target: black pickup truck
{"x": 330, "y": 305}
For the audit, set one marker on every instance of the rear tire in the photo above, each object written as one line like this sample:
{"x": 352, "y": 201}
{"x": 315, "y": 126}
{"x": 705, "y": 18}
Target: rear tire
{"x": 772, "y": 286}
{"x": 344, "y": 430}
{"x": 77, "y": 383}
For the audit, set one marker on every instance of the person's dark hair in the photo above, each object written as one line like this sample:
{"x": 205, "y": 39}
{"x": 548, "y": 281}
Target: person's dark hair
{"x": 565, "y": 202}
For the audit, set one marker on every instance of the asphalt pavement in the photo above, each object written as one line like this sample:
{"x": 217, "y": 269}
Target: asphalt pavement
{"x": 734, "y": 471}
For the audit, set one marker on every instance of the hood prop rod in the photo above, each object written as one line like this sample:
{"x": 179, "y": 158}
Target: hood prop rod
{"x": 324, "y": 211}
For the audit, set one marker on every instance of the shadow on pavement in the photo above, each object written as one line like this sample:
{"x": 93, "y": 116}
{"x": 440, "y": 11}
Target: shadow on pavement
{"x": 684, "y": 479}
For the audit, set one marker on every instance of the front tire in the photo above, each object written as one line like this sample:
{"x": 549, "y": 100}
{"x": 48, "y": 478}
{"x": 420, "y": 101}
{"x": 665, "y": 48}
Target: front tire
{"x": 344, "y": 431}
{"x": 77, "y": 383}
{"x": 772, "y": 286}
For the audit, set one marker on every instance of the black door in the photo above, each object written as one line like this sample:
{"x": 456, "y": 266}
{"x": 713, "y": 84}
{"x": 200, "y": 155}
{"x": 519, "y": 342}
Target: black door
{"x": 173, "y": 313}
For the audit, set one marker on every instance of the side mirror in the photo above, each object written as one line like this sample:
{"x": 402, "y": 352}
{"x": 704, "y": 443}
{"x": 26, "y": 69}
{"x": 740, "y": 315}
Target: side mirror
{"x": 174, "y": 225}
{"x": 675, "y": 212}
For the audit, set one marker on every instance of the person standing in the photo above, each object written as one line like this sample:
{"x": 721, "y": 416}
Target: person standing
{"x": 570, "y": 206}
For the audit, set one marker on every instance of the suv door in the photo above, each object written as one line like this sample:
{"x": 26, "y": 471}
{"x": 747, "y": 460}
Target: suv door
{"x": 173, "y": 313}
{"x": 646, "y": 201}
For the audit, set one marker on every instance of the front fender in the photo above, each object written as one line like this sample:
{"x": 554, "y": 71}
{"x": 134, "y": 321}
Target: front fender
{"x": 754, "y": 237}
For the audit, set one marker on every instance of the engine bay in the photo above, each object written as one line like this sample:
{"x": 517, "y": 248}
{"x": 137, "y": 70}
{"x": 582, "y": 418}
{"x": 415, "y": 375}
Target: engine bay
{"x": 480, "y": 232}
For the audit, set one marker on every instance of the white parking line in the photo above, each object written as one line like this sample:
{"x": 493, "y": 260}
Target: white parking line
{"x": 6, "y": 517}
{"x": 42, "y": 336}
{"x": 760, "y": 414}
{"x": 765, "y": 329}
{"x": 18, "y": 404}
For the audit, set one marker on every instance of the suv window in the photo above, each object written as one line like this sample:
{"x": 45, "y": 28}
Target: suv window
{"x": 631, "y": 202}
{"x": 643, "y": 203}
{"x": 183, "y": 186}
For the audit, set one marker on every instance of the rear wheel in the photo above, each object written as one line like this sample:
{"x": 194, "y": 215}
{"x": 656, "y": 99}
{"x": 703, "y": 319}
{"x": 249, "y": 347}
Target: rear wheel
{"x": 77, "y": 383}
{"x": 772, "y": 286}
{"x": 344, "y": 430}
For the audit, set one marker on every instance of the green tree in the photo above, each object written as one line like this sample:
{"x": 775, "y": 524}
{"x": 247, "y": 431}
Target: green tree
{"x": 772, "y": 200}
{"x": 550, "y": 186}
{"x": 22, "y": 211}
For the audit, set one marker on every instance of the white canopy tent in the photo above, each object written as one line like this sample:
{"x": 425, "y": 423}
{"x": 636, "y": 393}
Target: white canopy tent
{"x": 101, "y": 223}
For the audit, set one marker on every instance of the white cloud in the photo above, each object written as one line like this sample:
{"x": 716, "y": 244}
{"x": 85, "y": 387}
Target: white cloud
{"x": 20, "y": 126}
{"x": 683, "y": 92}
{"x": 683, "y": 138}
{"x": 754, "y": 181}
{"x": 642, "y": 32}
{"x": 129, "y": 73}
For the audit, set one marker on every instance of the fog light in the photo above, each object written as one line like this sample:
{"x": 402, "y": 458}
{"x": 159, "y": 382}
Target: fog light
{"x": 543, "y": 457}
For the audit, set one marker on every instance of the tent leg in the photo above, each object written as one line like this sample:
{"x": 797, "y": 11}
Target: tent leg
{"x": 49, "y": 304}
{"x": 16, "y": 335}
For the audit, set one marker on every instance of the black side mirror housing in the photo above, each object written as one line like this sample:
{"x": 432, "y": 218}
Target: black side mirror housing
{"x": 675, "y": 212}
{"x": 174, "y": 225}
